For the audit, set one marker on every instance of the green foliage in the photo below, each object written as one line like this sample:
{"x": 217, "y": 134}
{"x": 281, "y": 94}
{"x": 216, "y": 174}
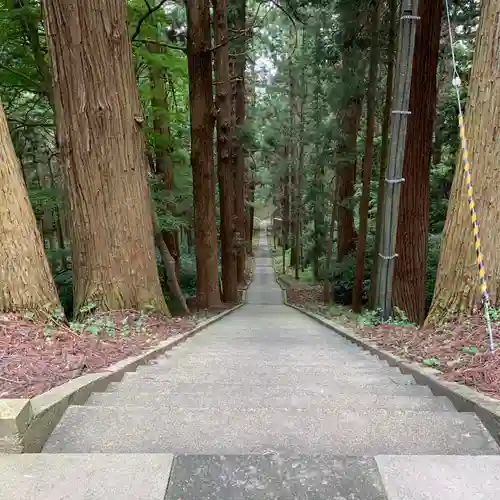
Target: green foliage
{"x": 432, "y": 362}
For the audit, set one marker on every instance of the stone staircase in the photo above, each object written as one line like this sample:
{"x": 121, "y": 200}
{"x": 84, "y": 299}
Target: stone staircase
{"x": 264, "y": 404}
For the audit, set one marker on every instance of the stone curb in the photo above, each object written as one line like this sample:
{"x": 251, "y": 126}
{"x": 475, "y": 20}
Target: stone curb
{"x": 25, "y": 424}
{"x": 463, "y": 398}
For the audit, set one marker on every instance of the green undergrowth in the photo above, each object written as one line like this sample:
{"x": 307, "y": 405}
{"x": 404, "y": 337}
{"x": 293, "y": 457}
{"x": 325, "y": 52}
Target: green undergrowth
{"x": 113, "y": 325}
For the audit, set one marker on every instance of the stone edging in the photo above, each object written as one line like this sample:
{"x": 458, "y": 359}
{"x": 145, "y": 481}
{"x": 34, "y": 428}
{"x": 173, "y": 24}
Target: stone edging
{"x": 465, "y": 399}
{"x": 25, "y": 424}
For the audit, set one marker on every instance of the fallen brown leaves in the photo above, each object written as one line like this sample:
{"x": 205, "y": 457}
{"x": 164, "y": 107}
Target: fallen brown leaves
{"x": 35, "y": 357}
{"x": 458, "y": 349}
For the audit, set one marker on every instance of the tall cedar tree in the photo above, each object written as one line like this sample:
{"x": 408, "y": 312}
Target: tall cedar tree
{"x": 352, "y": 45}
{"x": 357, "y": 294}
{"x": 25, "y": 279}
{"x": 202, "y": 127}
{"x": 99, "y": 129}
{"x": 239, "y": 148}
{"x": 292, "y": 150}
{"x": 457, "y": 283}
{"x": 224, "y": 159}
{"x": 413, "y": 221}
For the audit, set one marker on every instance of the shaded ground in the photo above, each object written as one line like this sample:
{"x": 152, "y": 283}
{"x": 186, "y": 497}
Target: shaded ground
{"x": 459, "y": 349}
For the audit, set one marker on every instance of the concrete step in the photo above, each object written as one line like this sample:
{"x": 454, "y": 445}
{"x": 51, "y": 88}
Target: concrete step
{"x": 258, "y": 376}
{"x": 84, "y": 476}
{"x": 272, "y": 355}
{"x": 276, "y": 368}
{"x": 243, "y": 388}
{"x": 175, "y": 400}
{"x": 249, "y": 477}
{"x": 334, "y": 363}
{"x": 229, "y": 431}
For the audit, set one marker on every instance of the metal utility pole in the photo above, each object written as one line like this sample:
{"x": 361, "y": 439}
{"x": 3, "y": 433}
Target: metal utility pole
{"x": 399, "y": 119}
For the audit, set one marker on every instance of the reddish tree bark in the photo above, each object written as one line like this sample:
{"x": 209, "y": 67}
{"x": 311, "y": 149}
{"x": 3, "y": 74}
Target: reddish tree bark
{"x": 202, "y": 126}
{"x": 346, "y": 178}
{"x": 364, "y": 205}
{"x": 224, "y": 160}
{"x": 413, "y": 221}
{"x": 239, "y": 148}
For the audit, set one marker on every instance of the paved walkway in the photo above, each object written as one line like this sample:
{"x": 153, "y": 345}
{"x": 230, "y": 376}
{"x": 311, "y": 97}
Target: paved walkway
{"x": 265, "y": 404}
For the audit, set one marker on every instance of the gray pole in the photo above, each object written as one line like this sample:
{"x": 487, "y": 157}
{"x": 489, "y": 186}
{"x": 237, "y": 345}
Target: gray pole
{"x": 400, "y": 112}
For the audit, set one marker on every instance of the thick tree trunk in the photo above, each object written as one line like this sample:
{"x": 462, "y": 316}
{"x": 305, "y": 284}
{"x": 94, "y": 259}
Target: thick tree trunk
{"x": 384, "y": 150}
{"x": 102, "y": 154}
{"x": 224, "y": 159}
{"x": 163, "y": 146}
{"x": 364, "y": 205}
{"x": 202, "y": 127}
{"x": 239, "y": 147}
{"x": 25, "y": 280}
{"x": 457, "y": 283}
{"x": 346, "y": 179}
{"x": 413, "y": 221}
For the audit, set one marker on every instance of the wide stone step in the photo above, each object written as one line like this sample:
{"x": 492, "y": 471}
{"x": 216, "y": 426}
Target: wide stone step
{"x": 319, "y": 345}
{"x": 337, "y": 431}
{"x": 242, "y": 388}
{"x": 175, "y": 400}
{"x": 223, "y": 351}
{"x": 277, "y": 367}
{"x": 84, "y": 476}
{"x": 249, "y": 477}
{"x": 271, "y": 373}
{"x": 195, "y": 359}
{"x": 261, "y": 376}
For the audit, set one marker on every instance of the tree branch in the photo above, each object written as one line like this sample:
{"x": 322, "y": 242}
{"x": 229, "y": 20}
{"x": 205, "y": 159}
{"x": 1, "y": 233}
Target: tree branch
{"x": 151, "y": 10}
{"x": 162, "y": 44}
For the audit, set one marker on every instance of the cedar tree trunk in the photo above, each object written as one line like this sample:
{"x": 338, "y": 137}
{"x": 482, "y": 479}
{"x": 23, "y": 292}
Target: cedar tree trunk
{"x": 413, "y": 221}
{"x": 457, "y": 283}
{"x": 224, "y": 159}
{"x": 202, "y": 127}
{"x": 99, "y": 128}
{"x": 25, "y": 279}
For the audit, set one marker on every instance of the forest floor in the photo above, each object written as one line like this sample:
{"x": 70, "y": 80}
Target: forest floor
{"x": 37, "y": 356}
{"x": 458, "y": 349}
